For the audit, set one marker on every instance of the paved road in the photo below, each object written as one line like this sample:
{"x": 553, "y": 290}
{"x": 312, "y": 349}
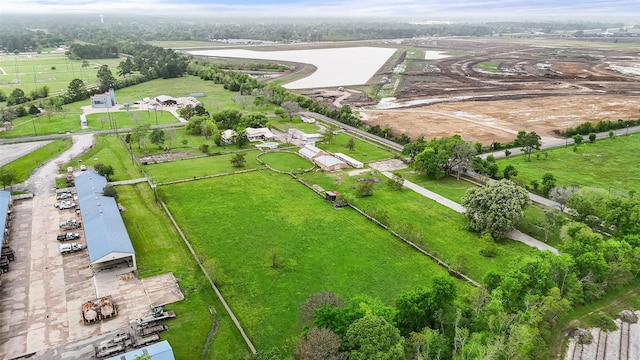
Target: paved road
{"x": 354, "y": 130}
{"x": 516, "y": 235}
{"x": 42, "y": 181}
{"x": 11, "y": 152}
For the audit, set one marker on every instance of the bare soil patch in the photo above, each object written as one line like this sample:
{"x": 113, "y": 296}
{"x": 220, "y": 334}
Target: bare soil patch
{"x": 500, "y": 120}
{"x": 157, "y": 158}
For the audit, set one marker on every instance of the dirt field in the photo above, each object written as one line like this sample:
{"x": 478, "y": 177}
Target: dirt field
{"x": 534, "y": 88}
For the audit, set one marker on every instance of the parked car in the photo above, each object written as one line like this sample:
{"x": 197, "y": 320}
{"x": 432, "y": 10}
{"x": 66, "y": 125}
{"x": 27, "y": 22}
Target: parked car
{"x": 70, "y": 224}
{"x": 83, "y": 167}
{"x": 65, "y": 204}
{"x": 70, "y": 169}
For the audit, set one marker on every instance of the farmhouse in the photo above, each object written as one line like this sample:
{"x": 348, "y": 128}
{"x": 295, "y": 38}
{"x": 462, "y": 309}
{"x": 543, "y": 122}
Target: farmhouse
{"x": 349, "y": 160}
{"x": 105, "y": 100}
{"x": 166, "y": 100}
{"x": 107, "y": 238}
{"x": 229, "y": 136}
{"x": 298, "y": 134}
{"x": 257, "y": 134}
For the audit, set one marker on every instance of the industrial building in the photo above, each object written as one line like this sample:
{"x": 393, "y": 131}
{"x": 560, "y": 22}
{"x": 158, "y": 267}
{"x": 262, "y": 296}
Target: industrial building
{"x": 107, "y": 239}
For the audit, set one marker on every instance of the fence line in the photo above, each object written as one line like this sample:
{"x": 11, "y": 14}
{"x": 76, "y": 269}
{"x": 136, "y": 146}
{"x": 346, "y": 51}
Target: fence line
{"x": 450, "y": 270}
{"x": 213, "y": 285}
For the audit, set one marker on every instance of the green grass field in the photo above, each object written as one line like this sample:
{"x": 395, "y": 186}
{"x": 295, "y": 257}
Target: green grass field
{"x": 109, "y": 151}
{"x": 125, "y": 119}
{"x": 442, "y": 229}
{"x": 286, "y": 161}
{"x": 607, "y": 163}
{"x": 35, "y": 71}
{"x": 159, "y": 249}
{"x": 448, "y": 186}
{"x": 362, "y": 151}
{"x": 283, "y": 124}
{"x": 238, "y": 222}
{"x": 43, "y": 125}
{"x": 24, "y": 166}
{"x": 203, "y": 166}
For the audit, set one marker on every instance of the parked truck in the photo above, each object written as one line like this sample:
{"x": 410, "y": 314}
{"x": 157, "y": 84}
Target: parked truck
{"x": 70, "y": 224}
{"x": 70, "y": 248}
{"x": 68, "y": 236}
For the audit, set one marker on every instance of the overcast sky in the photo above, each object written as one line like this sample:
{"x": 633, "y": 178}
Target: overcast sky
{"x": 588, "y": 10}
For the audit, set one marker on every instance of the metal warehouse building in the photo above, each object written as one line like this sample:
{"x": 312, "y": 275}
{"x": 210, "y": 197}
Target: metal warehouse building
{"x": 5, "y": 207}
{"x": 107, "y": 238}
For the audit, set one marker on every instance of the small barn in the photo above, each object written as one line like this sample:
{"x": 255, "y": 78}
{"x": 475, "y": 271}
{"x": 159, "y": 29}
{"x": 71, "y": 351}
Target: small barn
{"x": 166, "y": 100}
{"x": 310, "y": 151}
{"x": 301, "y": 135}
{"x": 349, "y": 160}
{"x": 107, "y": 239}
{"x": 106, "y": 100}
{"x": 329, "y": 163}
{"x": 229, "y": 136}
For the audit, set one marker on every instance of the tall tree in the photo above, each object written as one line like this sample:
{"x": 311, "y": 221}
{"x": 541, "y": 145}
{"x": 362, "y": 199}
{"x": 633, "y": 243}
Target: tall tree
{"x": 156, "y": 137}
{"x": 373, "y": 338}
{"x": 291, "y": 108}
{"x": 76, "y": 90}
{"x": 496, "y": 207}
{"x": 106, "y": 80}
{"x": 319, "y": 344}
{"x": 528, "y": 141}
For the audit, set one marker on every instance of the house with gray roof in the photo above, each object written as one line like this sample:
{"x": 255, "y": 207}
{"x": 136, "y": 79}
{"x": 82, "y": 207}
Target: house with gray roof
{"x": 107, "y": 239}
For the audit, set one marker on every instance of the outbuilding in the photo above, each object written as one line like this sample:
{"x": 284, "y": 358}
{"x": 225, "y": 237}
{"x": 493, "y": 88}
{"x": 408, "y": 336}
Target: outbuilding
{"x": 107, "y": 239}
{"x": 349, "y": 160}
{"x": 106, "y": 100}
{"x": 166, "y": 100}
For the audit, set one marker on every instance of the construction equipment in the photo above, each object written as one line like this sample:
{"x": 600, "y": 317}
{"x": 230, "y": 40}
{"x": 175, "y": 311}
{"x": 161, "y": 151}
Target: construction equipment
{"x": 70, "y": 248}
{"x": 68, "y": 236}
{"x": 98, "y": 309}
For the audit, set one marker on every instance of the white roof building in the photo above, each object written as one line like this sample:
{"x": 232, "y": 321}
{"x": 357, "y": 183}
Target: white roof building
{"x": 329, "y": 163}
{"x": 310, "y": 151}
{"x": 256, "y": 134}
{"x": 349, "y": 160}
{"x": 229, "y": 136}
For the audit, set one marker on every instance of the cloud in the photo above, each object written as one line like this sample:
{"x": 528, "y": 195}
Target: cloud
{"x": 594, "y": 9}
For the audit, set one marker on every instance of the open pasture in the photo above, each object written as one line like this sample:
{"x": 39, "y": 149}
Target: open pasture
{"x": 607, "y": 164}
{"x": 438, "y": 229}
{"x": 202, "y": 166}
{"x": 273, "y": 242}
{"x": 55, "y": 70}
{"x": 362, "y": 151}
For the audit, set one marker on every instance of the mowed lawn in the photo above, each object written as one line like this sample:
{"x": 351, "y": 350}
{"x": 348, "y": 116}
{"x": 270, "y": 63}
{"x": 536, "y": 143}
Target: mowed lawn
{"x": 127, "y": 119}
{"x": 238, "y": 222}
{"x": 362, "y": 151}
{"x": 159, "y": 249}
{"x": 24, "y": 166}
{"x": 286, "y": 161}
{"x": 202, "y": 166}
{"x": 443, "y": 230}
{"x": 603, "y": 164}
{"x": 108, "y": 150}
{"x": 44, "y": 125}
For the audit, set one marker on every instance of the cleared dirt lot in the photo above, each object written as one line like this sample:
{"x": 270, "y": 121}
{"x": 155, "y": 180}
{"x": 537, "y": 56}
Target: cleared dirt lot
{"x": 500, "y": 120}
{"x": 487, "y": 91}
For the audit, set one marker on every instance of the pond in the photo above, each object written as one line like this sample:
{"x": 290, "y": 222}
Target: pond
{"x": 335, "y": 66}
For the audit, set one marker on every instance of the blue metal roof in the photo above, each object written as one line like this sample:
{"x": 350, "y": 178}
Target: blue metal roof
{"x": 103, "y": 226}
{"x": 5, "y": 200}
{"x": 158, "y": 351}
